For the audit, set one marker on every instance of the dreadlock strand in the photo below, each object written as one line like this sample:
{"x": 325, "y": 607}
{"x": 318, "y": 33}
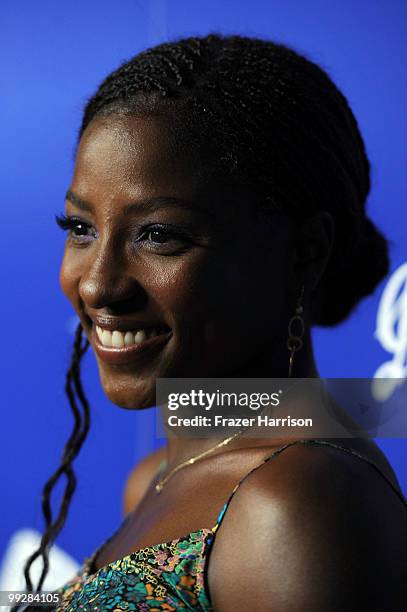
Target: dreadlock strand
{"x": 71, "y": 449}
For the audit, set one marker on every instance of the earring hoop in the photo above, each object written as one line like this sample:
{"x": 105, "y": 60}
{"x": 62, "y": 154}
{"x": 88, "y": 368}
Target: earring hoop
{"x": 294, "y": 341}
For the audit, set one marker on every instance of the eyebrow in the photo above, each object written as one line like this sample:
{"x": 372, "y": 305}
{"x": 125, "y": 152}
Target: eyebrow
{"x": 146, "y": 205}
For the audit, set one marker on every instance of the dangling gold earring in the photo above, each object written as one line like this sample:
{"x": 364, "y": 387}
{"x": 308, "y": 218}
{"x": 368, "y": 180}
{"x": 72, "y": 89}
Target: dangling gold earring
{"x": 294, "y": 342}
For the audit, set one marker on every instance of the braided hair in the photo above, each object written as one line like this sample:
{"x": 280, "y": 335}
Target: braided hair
{"x": 73, "y": 386}
{"x": 257, "y": 115}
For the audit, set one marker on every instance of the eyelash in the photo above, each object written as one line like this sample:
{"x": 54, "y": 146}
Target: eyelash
{"x": 71, "y": 223}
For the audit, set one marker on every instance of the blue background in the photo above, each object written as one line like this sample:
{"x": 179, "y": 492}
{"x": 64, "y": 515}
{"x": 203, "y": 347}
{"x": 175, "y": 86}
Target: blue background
{"x": 54, "y": 54}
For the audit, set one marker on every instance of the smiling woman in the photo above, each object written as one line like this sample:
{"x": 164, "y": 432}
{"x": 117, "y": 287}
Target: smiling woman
{"x": 218, "y": 197}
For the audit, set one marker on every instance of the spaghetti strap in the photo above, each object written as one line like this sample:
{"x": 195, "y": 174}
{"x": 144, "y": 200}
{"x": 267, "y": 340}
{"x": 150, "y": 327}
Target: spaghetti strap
{"x": 310, "y": 441}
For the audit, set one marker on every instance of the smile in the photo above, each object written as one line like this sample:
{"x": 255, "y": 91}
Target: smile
{"x": 125, "y": 347}
{"x": 118, "y": 339}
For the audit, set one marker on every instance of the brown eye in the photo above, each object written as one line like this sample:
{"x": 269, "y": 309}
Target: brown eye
{"x": 161, "y": 234}
{"x": 78, "y": 230}
{"x": 158, "y": 235}
{"x": 165, "y": 239}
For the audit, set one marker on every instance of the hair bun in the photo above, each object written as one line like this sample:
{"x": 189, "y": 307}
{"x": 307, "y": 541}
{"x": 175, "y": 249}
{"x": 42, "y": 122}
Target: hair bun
{"x": 352, "y": 274}
{"x": 373, "y": 255}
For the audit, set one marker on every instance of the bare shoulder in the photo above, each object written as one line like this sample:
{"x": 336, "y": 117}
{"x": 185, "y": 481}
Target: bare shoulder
{"x": 139, "y": 479}
{"x": 311, "y": 529}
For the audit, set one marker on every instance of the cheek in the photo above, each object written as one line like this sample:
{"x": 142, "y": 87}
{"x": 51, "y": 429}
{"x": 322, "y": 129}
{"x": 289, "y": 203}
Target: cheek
{"x": 185, "y": 287}
{"x": 216, "y": 296}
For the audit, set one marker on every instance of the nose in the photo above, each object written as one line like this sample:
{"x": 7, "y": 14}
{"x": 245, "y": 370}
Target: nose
{"x": 108, "y": 282}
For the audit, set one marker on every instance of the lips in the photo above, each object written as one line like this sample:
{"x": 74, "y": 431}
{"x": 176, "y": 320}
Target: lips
{"x": 149, "y": 337}
{"x": 129, "y": 354}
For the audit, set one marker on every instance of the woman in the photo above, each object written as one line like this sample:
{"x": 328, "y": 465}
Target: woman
{"x": 217, "y": 213}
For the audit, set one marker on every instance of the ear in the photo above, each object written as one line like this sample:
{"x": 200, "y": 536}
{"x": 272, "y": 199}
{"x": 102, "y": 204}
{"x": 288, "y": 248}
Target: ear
{"x": 312, "y": 249}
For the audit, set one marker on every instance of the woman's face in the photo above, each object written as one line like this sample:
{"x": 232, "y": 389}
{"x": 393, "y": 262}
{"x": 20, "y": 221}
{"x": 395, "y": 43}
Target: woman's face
{"x": 186, "y": 265}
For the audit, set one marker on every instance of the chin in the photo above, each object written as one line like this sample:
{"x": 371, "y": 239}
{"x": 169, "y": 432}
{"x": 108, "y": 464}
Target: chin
{"x": 134, "y": 398}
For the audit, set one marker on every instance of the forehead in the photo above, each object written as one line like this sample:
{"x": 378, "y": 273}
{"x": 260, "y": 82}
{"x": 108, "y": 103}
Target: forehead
{"x": 123, "y": 158}
{"x": 129, "y": 151}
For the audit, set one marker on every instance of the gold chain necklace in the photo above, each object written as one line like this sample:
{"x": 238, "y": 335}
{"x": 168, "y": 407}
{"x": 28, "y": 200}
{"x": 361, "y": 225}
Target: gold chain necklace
{"x": 160, "y": 484}
{"x": 162, "y": 481}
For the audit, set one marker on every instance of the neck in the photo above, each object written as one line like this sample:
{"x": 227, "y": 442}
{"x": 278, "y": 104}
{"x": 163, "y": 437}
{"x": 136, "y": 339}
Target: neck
{"x": 263, "y": 366}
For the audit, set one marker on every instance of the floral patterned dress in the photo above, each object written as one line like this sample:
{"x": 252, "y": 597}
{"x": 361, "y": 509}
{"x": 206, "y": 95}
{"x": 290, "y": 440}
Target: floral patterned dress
{"x": 170, "y": 576}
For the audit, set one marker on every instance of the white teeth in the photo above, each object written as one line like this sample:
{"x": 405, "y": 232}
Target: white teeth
{"x": 140, "y": 336}
{"x": 129, "y": 339}
{"x": 106, "y": 338}
{"x": 118, "y": 339}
